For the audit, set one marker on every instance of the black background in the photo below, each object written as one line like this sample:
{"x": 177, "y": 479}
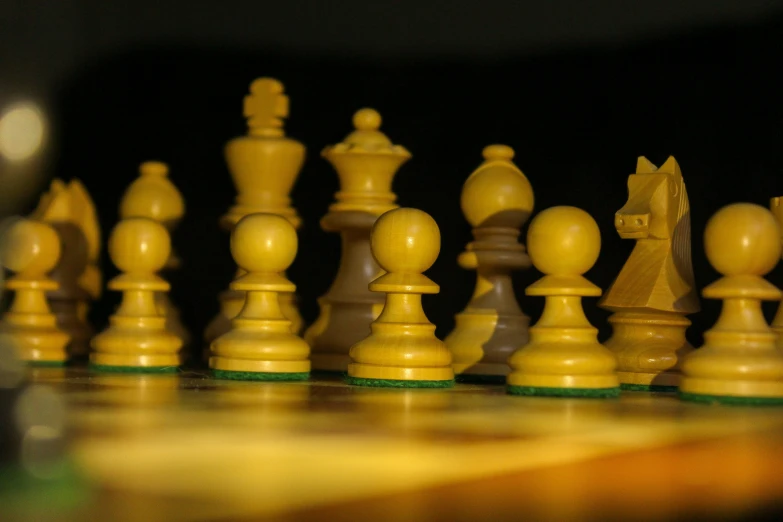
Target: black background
{"x": 578, "y": 114}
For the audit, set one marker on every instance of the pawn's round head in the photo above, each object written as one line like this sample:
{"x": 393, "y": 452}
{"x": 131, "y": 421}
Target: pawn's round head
{"x": 264, "y": 243}
{"x": 742, "y": 239}
{"x": 498, "y": 194}
{"x": 563, "y": 241}
{"x": 405, "y": 240}
{"x": 30, "y": 247}
{"x": 139, "y": 246}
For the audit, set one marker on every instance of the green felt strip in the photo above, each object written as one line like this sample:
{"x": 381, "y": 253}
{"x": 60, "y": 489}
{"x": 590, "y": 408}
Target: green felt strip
{"x": 133, "y": 369}
{"x": 64, "y": 488}
{"x": 260, "y": 376}
{"x": 541, "y": 391}
{"x": 394, "y": 383}
{"x": 469, "y": 378}
{"x": 648, "y": 388}
{"x": 732, "y": 400}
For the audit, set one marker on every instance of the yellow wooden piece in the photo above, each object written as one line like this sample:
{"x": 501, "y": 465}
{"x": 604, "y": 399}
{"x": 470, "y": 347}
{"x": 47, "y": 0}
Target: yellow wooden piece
{"x": 69, "y": 209}
{"x": 264, "y": 166}
{"x": 497, "y": 200}
{"x": 402, "y": 344}
{"x": 563, "y": 352}
{"x": 152, "y": 195}
{"x": 739, "y": 357}
{"x": 776, "y": 205}
{"x": 366, "y": 162}
{"x": 655, "y": 289}
{"x": 260, "y": 339}
{"x": 137, "y": 335}
{"x": 31, "y": 249}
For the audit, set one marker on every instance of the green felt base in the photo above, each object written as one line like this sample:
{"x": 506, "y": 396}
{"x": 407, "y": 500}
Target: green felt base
{"x": 29, "y": 495}
{"x": 46, "y": 364}
{"x": 260, "y": 376}
{"x": 590, "y": 393}
{"x": 732, "y": 400}
{"x": 468, "y": 378}
{"x": 648, "y": 388}
{"x": 133, "y": 369}
{"x": 393, "y": 383}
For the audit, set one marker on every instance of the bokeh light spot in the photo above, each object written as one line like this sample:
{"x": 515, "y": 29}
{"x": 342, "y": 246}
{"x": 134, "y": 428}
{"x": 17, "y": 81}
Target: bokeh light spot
{"x": 22, "y": 129}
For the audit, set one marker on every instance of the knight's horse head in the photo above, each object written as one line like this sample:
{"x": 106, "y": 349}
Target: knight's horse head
{"x": 654, "y": 205}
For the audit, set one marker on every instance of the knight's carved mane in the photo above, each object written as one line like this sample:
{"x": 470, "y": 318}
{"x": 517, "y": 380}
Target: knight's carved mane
{"x": 681, "y": 237}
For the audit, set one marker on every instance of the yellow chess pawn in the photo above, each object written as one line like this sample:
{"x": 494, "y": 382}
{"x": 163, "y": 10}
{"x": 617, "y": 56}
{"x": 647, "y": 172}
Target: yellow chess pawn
{"x": 152, "y": 195}
{"x": 264, "y": 165}
{"x": 366, "y": 162}
{"x": 563, "y": 357}
{"x": 31, "y": 249}
{"x": 497, "y": 200}
{"x": 137, "y": 339}
{"x": 402, "y": 350}
{"x": 260, "y": 344}
{"x": 739, "y": 362}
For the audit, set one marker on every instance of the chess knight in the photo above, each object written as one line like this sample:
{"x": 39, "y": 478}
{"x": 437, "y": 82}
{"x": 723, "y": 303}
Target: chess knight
{"x": 655, "y": 290}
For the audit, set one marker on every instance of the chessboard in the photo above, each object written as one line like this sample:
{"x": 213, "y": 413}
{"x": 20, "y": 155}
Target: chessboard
{"x": 186, "y": 447}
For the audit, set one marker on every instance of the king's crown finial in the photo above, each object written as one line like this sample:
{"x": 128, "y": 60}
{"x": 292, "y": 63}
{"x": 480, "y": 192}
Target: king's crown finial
{"x": 265, "y": 107}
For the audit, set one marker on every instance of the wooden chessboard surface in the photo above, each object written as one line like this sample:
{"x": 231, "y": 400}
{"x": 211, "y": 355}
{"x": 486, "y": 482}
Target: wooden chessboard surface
{"x": 186, "y": 447}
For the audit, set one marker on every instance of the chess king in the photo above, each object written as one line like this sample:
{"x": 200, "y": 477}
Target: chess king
{"x": 655, "y": 290}
{"x": 264, "y": 166}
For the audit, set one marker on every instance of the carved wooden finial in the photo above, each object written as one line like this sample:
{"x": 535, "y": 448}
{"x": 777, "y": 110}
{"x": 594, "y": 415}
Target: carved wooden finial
{"x": 265, "y": 107}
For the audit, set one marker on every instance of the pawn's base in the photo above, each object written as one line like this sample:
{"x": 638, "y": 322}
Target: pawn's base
{"x": 251, "y": 366}
{"x": 541, "y": 391}
{"x": 648, "y": 388}
{"x": 732, "y": 400}
{"x": 141, "y": 361}
{"x": 397, "y": 373}
{"x": 394, "y": 383}
{"x": 133, "y": 369}
{"x": 44, "y": 345}
{"x": 260, "y": 376}
{"x": 745, "y": 391}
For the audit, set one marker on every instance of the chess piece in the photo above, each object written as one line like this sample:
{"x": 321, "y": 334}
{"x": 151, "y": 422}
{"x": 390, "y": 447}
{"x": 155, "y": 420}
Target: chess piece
{"x": 137, "y": 339}
{"x": 264, "y": 166}
{"x": 776, "y": 206}
{"x": 260, "y": 344}
{"x": 402, "y": 350}
{"x": 655, "y": 290}
{"x": 739, "y": 362}
{"x": 497, "y": 200}
{"x": 152, "y": 195}
{"x": 70, "y": 211}
{"x": 31, "y": 249}
{"x": 366, "y": 162}
{"x": 563, "y": 357}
